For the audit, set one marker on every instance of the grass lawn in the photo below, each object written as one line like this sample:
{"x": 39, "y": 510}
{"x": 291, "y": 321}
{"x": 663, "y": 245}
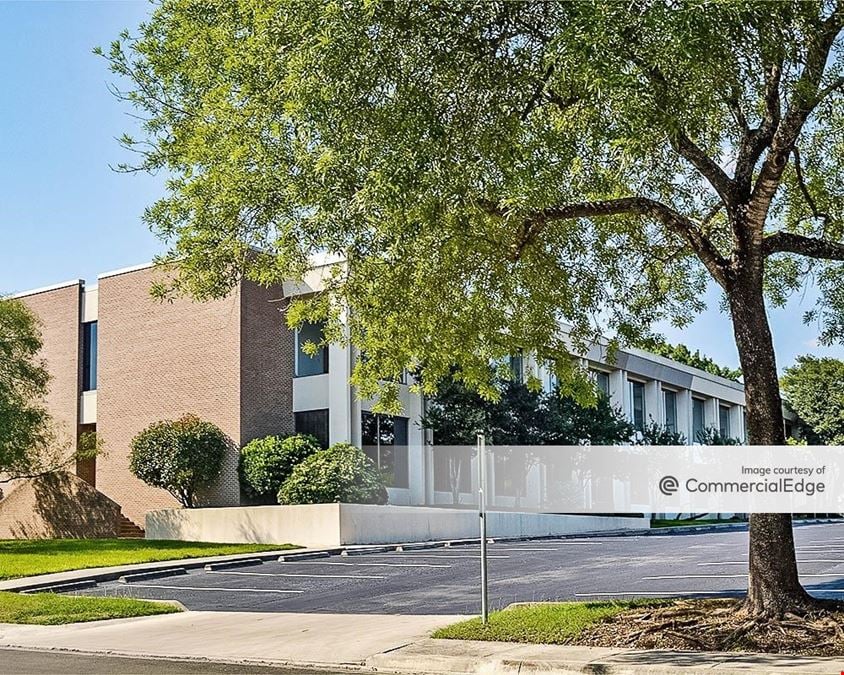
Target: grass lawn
{"x": 552, "y": 623}
{"x": 687, "y": 522}
{"x": 51, "y": 609}
{"x": 27, "y": 557}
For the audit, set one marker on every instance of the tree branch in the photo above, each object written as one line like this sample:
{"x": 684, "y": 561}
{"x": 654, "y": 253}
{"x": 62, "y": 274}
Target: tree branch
{"x": 801, "y": 182}
{"x": 806, "y": 98}
{"x": 685, "y": 146}
{"x": 754, "y": 141}
{"x": 788, "y": 242}
{"x": 705, "y": 165}
{"x": 675, "y": 222}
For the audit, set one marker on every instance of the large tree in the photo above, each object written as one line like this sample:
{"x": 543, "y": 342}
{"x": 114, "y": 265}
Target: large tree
{"x": 490, "y": 169}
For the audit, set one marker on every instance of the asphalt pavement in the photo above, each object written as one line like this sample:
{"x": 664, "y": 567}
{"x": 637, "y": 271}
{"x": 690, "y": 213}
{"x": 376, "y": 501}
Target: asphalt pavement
{"x": 446, "y": 580}
{"x": 27, "y": 662}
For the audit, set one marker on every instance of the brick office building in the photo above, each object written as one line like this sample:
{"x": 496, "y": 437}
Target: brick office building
{"x": 121, "y": 360}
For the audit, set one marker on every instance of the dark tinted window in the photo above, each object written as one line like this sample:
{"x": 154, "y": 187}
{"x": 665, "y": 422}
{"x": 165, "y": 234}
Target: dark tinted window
{"x": 305, "y": 363}
{"x": 724, "y": 420}
{"x": 89, "y": 356}
{"x": 670, "y": 410}
{"x": 384, "y": 439}
{"x": 638, "y": 405}
{"x": 698, "y": 418}
{"x": 602, "y": 381}
{"x": 313, "y": 422}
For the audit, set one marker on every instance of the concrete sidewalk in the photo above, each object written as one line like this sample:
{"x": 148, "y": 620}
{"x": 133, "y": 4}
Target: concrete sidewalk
{"x": 239, "y": 637}
{"x": 372, "y": 643}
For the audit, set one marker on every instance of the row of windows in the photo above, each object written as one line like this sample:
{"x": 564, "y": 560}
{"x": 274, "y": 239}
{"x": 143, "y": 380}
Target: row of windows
{"x": 639, "y": 412}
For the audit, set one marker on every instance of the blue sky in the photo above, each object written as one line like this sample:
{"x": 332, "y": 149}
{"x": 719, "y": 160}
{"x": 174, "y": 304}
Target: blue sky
{"x": 64, "y": 214}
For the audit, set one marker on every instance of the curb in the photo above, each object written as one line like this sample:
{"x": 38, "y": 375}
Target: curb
{"x": 228, "y": 564}
{"x": 146, "y": 576}
{"x": 112, "y": 574}
{"x": 62, "y": 588}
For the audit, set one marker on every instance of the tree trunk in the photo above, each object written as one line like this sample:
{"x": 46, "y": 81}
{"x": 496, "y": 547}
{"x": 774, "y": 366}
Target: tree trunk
{"x": 773, "y": 586}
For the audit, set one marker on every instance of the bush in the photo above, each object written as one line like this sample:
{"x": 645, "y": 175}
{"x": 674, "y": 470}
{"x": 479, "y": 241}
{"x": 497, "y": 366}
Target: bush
{"x": 182, "y": 456}
{"x": 266, "y": 463}
{"x": 343, "y": 473}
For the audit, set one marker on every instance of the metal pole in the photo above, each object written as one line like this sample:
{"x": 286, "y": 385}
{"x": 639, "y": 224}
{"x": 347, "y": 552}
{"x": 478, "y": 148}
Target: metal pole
{"x": 482, "y": 514}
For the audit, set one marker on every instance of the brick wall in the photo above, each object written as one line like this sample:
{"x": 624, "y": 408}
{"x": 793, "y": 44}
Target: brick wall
{"x": 58, "y": 312}
{"x": 58, "y": 505}
{"x": 266, "y": 352}
{"x": 160, "y": 361}
{"x": 228, "y": 361}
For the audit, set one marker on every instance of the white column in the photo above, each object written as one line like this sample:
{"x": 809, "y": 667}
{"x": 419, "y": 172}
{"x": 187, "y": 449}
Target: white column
{"x": 653, "y": 403}
{"x": 736, "y": 422}
{"x": 710, "y": 413}
{"x": 618, "y": 391}
{"x": 341, "y": 400}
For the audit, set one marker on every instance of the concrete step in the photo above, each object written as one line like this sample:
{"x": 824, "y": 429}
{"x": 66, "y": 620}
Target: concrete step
{"x": 128, "y": 529}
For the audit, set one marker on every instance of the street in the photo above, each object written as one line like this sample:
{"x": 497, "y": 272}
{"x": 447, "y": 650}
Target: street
{"x": 445, "y": 580}
{"x": 25, "y": 662}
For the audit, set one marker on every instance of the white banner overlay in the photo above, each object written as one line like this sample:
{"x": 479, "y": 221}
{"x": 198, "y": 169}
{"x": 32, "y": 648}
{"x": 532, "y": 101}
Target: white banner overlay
{"x": 652, "y": 479}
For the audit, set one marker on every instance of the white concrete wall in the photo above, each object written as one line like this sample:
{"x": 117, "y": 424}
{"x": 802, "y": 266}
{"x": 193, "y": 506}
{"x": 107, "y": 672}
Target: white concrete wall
{"x": 306, "y": 525}
{"x": 341, "y": 524}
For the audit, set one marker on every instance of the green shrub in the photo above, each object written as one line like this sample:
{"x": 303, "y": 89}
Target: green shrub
{"x": 266, "y": 463}
{"x": 182, "y": 456}
{"x": 342, "y": 473}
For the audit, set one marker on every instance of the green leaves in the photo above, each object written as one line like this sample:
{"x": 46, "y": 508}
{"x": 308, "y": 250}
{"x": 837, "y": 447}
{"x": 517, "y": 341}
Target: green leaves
{"x": 184, "y": 457}
{"x": 265, "y": 463}
{"x": 25, "y": 428}
{"x": 425, "y": 144}
{"x": 342, "y": 473}
{"x": 814, "y": 389}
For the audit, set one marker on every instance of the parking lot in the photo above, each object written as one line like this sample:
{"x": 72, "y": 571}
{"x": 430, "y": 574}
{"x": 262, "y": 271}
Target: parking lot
{"x": 445, "y": 580}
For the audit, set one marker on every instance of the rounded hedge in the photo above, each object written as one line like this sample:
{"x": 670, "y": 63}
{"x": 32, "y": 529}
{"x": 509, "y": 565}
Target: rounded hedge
{"x": 266, "y": 463}
{"x": 342, "y": 473}
{"x": 182, "y": 456}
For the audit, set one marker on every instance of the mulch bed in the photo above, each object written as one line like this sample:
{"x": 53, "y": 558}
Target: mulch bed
{"x": 719, "y": 625}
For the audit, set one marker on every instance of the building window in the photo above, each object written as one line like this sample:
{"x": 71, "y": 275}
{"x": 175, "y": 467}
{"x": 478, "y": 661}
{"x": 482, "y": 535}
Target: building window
{"x": 602, "y": 381}
{"x": 698, "y": 419}
{"x": 314, "y": 423}
{"x": 89, "y": 356}
{"x": 670, "y": 399}
{"x": 724, "y": 420}
{"x": 305, "y": 363}
{"x": 517, "y": 367}
{"x": 638, "y": 400}
{"x": 384, "y": 439}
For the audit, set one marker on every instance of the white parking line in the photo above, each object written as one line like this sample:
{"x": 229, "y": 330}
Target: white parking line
{"x": 655, "y": 593}
{"x": 310, "y": 576}
{"x": 211, "y": 588}
{"x": 319, "y": 562}
{"x": 433, "y": 555}
{"x": 744, "y": 562}
{"x": 697, "y": 576}
{"x": 496, "y": 548}
{"x": 727, "y": 576}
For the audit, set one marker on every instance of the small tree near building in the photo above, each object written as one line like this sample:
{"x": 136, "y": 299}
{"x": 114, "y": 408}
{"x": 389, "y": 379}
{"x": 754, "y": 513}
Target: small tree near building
{"x": 341, "y": 473}
{"x": 265, "y": 463}
{"x": 184, "y": 457}
{"x": 814, "y": 389}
